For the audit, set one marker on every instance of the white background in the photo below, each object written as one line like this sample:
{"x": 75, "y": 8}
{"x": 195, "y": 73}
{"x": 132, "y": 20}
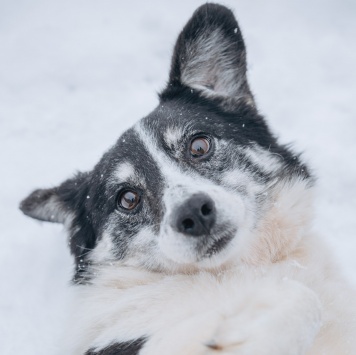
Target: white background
{"x": 75, "y": 74}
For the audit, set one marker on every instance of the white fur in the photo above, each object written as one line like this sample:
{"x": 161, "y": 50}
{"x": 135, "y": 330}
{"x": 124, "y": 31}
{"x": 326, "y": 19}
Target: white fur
{"x": 124, "y": 172}
{"x": 104, "y": 250}
{"x": 197, "y": 309}
{"x": 269, "y": 162}
{"x": 172, "y": 136}
{"x": 273, "y": 291}
{"x": 283, "y": 297}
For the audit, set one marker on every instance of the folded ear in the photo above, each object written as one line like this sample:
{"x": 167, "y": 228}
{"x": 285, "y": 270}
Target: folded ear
{"x": 44, "y": 205}
{"x": 210, "y": 54}
{"x": 58, "y": 204}
{"x": 65, "y": 204}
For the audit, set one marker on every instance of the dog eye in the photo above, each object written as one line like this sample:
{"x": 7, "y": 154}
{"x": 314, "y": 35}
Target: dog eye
{"x": 199, "y": 146}
{"x": 128, "y": 199}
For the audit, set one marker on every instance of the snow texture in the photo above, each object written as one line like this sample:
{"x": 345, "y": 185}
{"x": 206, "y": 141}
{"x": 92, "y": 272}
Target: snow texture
{"x": 75, "y": 74}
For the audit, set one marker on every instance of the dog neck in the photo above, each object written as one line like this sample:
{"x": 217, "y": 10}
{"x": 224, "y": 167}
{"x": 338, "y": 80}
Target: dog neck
{"x": 286, "y": 219}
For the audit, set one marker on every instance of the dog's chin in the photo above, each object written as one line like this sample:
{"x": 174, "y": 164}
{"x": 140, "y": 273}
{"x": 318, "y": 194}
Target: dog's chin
{"x": 211, "y": 253}
{"x": 219, "y": 253}
{"x": 218, "y": 245}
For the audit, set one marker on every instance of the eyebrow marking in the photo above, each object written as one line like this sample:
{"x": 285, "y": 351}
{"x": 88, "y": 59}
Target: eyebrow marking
{"x": 173, "y": 135}
{"x": 123, "y": 172}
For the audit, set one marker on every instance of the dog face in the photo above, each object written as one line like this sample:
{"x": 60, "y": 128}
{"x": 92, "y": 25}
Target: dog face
{"x": 187, "y": 186}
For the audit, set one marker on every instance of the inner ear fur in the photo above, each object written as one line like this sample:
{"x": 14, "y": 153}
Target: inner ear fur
{"x": 57, "y": 204}
{"x": 210, "y": 55}
{"x": 44, "y": 205}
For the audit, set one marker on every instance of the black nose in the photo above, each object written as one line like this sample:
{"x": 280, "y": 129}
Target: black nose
{"x": 196, "y": 216}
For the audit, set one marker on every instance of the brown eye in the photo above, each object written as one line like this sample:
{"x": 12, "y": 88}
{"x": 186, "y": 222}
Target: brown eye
{"x": 199, "y": 146}
{"x": 128, "y": 199}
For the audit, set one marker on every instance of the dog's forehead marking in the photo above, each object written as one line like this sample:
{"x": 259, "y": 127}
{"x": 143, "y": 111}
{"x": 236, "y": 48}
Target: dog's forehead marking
{"x": 124, "y": 171}
{"x": 172, "y": 135}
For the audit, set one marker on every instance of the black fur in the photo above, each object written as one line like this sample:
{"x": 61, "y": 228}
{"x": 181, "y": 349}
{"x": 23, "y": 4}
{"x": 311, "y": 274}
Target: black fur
{"x": 126, "y": 348}
{"x": 245, "y": 126}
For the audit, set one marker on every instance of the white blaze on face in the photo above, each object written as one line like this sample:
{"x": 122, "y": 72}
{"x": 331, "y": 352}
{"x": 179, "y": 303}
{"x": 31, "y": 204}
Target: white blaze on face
{"x": 232, "y": 212}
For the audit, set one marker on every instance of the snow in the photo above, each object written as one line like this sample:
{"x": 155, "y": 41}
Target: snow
{"x": 75, "y": 74}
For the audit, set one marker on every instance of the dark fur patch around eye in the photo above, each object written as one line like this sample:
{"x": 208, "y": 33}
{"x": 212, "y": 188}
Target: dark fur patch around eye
{"x": 125, "y": 348}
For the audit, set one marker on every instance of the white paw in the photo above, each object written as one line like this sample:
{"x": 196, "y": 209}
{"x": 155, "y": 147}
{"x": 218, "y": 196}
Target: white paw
{"x": 278, "y": 318}
{"x": 281, "y": 321}
{"x": 188, "y": 337}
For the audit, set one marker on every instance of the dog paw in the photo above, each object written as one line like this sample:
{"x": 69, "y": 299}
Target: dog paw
{"x": 283, "y": 321}
{"x": 187, "y": 337}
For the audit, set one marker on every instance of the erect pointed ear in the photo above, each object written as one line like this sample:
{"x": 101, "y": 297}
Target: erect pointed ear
{"x": 66, "y": 204}
{"x": 210, "y": 55}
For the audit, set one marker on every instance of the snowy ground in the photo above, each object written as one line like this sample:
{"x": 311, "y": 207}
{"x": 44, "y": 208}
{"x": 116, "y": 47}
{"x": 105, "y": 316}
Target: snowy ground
{"x": 75, "y": 74}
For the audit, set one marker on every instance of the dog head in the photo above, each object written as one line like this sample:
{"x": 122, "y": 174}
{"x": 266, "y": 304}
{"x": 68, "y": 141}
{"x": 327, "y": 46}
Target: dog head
{"x": 187, "y": 187}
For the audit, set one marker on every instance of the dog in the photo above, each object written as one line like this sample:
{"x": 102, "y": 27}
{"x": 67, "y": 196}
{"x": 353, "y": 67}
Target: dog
{"x": 192, "y": 235}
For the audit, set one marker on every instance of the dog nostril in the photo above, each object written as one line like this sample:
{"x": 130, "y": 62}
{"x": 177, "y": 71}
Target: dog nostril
{"x": 195, "y": 217}
{"x": 188, "y": 224}
{"x": 206, "y": 209}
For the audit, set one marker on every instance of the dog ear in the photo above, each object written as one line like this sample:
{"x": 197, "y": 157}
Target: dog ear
{"x": 58, "y": 204}
{"x": 210, "y": 54}
{"x": 65, "y": 204}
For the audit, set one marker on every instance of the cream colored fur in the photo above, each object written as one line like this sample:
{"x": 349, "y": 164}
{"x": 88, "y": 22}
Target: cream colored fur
{"x": 281, "y": 295}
